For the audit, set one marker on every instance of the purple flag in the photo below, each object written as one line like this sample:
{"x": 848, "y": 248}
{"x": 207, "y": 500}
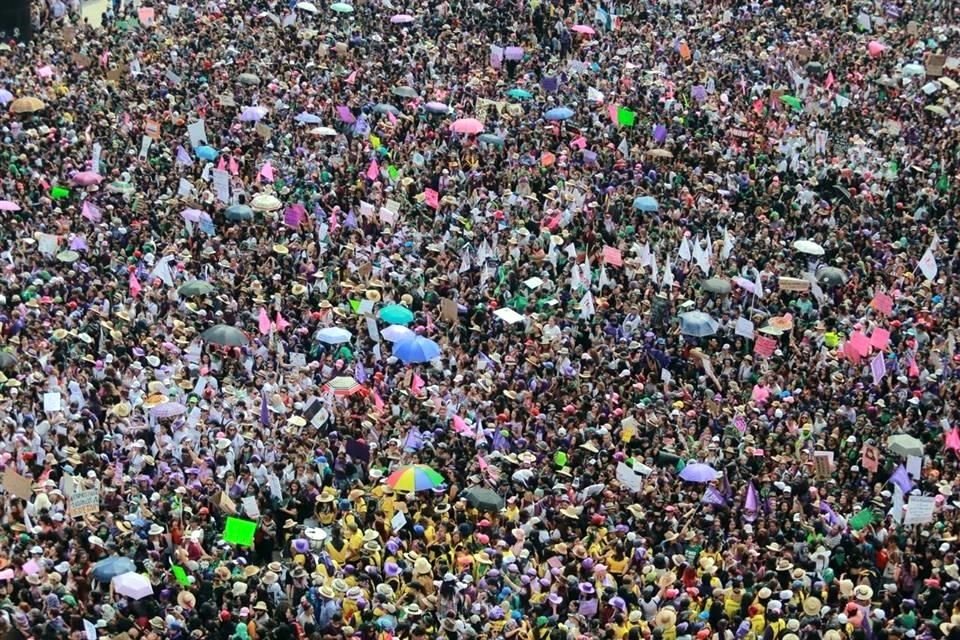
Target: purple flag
{"x": 485, "y": 359}
{"x": 499, "y": 441}
{"x": 264, "y": 409}
{"x": 901, "y": 478}
{"x": 589, "y": 157}
{"x": 91, "y": 212}
{"x": 714, "y": 497}
{"x": 751, "y": 502}
{"x": 513, "y": 53}
{"x": 660, "y": 134}
{"x": 360, "y": 373}
{"x": 350, "y": 222}
{"x": 832, "y": 517}
{"x": 78, "y": 243}
{"x": 725, "y": 488}
{"x": 878, "y": 367}
{"x": 183, "y": 157}
{"x": 293, "y": 215}
{"x": 345, "y": 114}
{"x": 414, "y": 440}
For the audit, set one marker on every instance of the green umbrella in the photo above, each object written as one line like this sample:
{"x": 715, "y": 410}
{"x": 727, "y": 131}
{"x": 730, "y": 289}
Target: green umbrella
{"x": 793, "y": 101}
{"x": 396, "y": 314}
{"x": 68, "y": 256}
{"x": 341, "y": 7}
{"x": 404, "y": 92}
{"x": 239, "y": 212}
{"x": 225, "y": 335}
{"x": 195, "y": 289}
{"x": 519, "y": 94}
{"x": 489, "y": 138}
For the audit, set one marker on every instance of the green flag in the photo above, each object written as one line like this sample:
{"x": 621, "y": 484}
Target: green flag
{"x": 355, "y": 305}
{"x": 625, "y": 117}
{"x": 239, "y": 531}
{"x": 180, "y": 575}
{"x": 59, "y": 193}
{"x": 393, "y": 172}
{"x": 861, "y": 520}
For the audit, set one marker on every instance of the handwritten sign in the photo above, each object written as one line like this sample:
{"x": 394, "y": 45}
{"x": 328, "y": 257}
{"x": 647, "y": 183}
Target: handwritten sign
{"x": 16, "y": 484}
{"x": 612, "y": 256}
{"x": 882, "y": 303}
{"x": 920, "y": 510}
{"x": 764, "y": 346}
{"x": 152, "y": 129}
{"x": 870, "y": 459}
{"x": 83, "y": 503}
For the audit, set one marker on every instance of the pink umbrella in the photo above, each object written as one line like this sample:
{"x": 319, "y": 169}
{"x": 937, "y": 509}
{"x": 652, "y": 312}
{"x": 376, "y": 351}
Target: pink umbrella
{"x": 467, "y": 125}
{"x": 86, "y": 178}
{"x": 402, "y": 18}
{"x": 875, "y": 48}
{"x": 6, "y": 205}
{"x": 192, "y": 215}
{"x": 582, "y": 28}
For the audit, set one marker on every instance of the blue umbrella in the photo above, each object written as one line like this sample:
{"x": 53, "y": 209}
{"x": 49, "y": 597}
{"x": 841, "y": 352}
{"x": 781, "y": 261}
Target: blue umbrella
{"x": 698, "y": 472}
{"x": 418, "y": 349}
{"x": 307, "y": 118}
{"x": 559, "y": 113}
{"x": 697, "y": 324}
{"x": 205, "y": 152}
{"x": 239, "y": 212}
{"x": 107, "y": 569}
{"x": 490, "y": 138}
{"x": 647, "y": 204}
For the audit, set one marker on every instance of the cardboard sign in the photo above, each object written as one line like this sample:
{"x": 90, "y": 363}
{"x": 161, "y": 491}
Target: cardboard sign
{"x": 152, "y": 129}
{"x": 226, "y": 504}
{"x": 83, "y": 503}
{"x": 934, "y": 64}
{"x": 448, "y": 311}
{"x": 16, "y": 484}
{"x": 823, "y": 463}
{"x": 870, "y": 460}
{"x": 263, "y": 131}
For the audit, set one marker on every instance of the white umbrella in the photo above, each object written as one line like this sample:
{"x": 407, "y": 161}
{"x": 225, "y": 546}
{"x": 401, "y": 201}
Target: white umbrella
{"x": 809, "y": 247}
{"x": 133, "y": 585}
{"x": 323, "y": 131}
{"x": 334, "y": 335}
{"x": 398, "y": 333}
{"x": 168, "y": 410}
{"x": 309, "y": 7}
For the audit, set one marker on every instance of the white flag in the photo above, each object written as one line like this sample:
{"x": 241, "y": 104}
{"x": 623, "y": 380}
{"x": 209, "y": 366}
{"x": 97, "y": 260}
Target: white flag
{"x": 928, "y": 263}
{"x": 624, "y": 148}
{"x": 162, "y": 271}
{"x": 603, "y": 280}
{"x": 685, "y": 252}
{"x": 586, "y": 306}
{"x": 701, "y": 257}
{"x": 654, "y": 275}
{"x": 727, "y": 248}
{"x": 667, "y": 280}
{"x": 758, "y": 285}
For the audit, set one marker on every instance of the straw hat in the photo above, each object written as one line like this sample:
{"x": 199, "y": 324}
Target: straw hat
{"x": 863, "y": 593}
{"x": 666, "y": 617}
{"x": 187, "y": 600}
{"x": 812, "y": 606}
{"x": 373, "y": 295}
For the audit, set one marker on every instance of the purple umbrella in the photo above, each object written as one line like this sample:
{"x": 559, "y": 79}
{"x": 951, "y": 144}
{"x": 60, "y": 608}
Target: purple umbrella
{"x": 513, "y": 53}
{"x": 436, "y": 107}
{"x": 698, "y": 472}
{"x": 192, "y": 215}
{"x": 5, "y": 97}
{"x": 402, "y": 18}
{"x": 252, "y": 114}
{"x": 698, "y": 93}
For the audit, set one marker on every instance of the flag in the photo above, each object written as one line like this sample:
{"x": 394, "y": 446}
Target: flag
{"x": 264, "y": 409}
{"x": 266, "y": 171}
{"x": 728, "y": 243}
{"x": 360, "y": 373}
{"x": 162, "y": 271}
{"x": 725, "y": 488}
{"x": 878, "y": 368}
{"x": 928, "y": 263}
{"x": 751, "y": 502}
{"x": 414, "y": 440}
{"x": 713, "y": 497}
{"x": 135, "y": 287}
{"x": 377, "y": 402}
{"x": 416, "y": 384}
{"x": 487, "y": 361}
{"x": 281, "y": 323}
{"x": 667, "y": 280}
{"x": 912, "y": 369}
{"x": 91, "y": 212}
{"x": 183, "y": 157}
{"x": 352, "y": 77}
{"x": 373, "y": 170}
{"x": 952, "y": 441}
{"x": 263, "y": 322}
{"x": 901, "y": 478}
{"x": 826, "y": 509}
{"x": 482, "y": 463}
{"x": 334, "y": 221}
{"x": 830, "y": 80}
{"x": 500, "y": 441}
{"x": 758, "y": 286}
{"x": 234, "y": 167}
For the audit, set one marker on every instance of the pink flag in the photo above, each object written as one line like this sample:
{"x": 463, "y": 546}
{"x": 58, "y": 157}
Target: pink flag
{"x": 417, "y": 384}
{"x": 430, "y": 326}
{"x": 377, "y": 401}
{"x": 135, "y": 287}
{"x": 91, "y": 212}
{"x": 459, "y": 424}
{"x": 263, "y": 322}
{"x": 829, "y": 82}
{"x": 234, "y": 168}
{"x": 281, "y": 323}
{"x": 373, "y": 171}
{"x": 432, "y": 198}
{"x": 334, "y": 222}
{"x": 612, "y": 111}
{"x": 392, "y": 118}
{"x": 953, "y": 440}
{"x": 913, "y": 370}
{"x": 267, "y": 171}
{"x": 222, "y": 164}
{"x": 352, "y": 77}
{"x": 483, "y": 463}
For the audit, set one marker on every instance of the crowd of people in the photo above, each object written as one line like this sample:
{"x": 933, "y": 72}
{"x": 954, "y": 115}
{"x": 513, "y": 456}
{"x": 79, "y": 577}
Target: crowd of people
{"x": 502, "y": 320}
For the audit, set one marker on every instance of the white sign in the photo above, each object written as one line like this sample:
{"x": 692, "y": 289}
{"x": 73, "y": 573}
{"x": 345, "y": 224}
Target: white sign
{"x": 920, "y": 510}
{"x": 250, "y": 506}
{"x": 398, "y": 521}
{"x": 629, "y": 479}
{"x": 744, "y": 328}
{"x": 914, "y": 467}
{"x": 84, "y": 502}
{"x": 221, "y": 185}
{"x": 51, "y": 401}
{"x": 198, "y": 133}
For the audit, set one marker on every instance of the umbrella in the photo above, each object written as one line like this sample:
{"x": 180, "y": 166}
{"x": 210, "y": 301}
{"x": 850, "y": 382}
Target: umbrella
{"x": 248, "y": 78}
{"x": 237, "y": 212}
{"x": 6, "y": 205}
{"x": 814, "y": 67}
{"x": 913, "y": 69}
{"x": 404, "y": 92}
{"x": 192, "y": 215}
{"x": 27, "y": 105}
{"x": 905, "y": 445}
{"x": 698, "y": 472}
{"x": 697, "y": 324}
{"x": 323, "y": 131}
{"x": 133, "y": 585}
{"x": 309, "y": 7}
{"x": 716, "y": 285}
{"x": 396, "y": 314}
{"x": 206, "y": 152}
{"x": 483, "y": 498}
{"x": 659, "y": 153}
{"x": 341, "y": 7}
{"x": 225, "y": 335}
{"x": 195, "y": 289}
{"x": 470, "y": 126}
{"x": 647, "y": 204}
{"x": 559, "y": 113}
{"x": 68, "y": 256}
{"x": 831, "y": 276}
{"x": 121, "y": 186}
{"x": 343, "y": 386}
{"x": 109, "y": 568}
{"x": 253, "y": 114}
{"x": 519, "y": 94}
{"x": 416, "y": 477}
{"x": 793, "y": 101}
{"x": 489, "y": 138}
{"x": 265, "y": 202}
{"x": 307, "y": 118}
{"x": 7, "y": 360}
{"x": 86, "y": 178}
{"x": 402, "y": 18}
{"x": 809, "y": 247}
{"x": 419, "y": 349}
{"x": 383, "y": 107}
{"x": 937, "y": 109}
{"x": 168, "y": 410}
{"x": 584, "y": 29}
{"x": 334, "y": 335}
{"x": 5, "y": 97}
{"x": 398, "y": 333}
{"x": 436, "y": 107}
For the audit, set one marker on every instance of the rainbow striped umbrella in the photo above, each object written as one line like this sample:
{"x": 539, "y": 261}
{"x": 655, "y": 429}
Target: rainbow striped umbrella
{"x": 416, "y": 477}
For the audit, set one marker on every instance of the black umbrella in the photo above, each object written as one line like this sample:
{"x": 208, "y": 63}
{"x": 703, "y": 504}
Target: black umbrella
{"x": 483, "y": 498}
